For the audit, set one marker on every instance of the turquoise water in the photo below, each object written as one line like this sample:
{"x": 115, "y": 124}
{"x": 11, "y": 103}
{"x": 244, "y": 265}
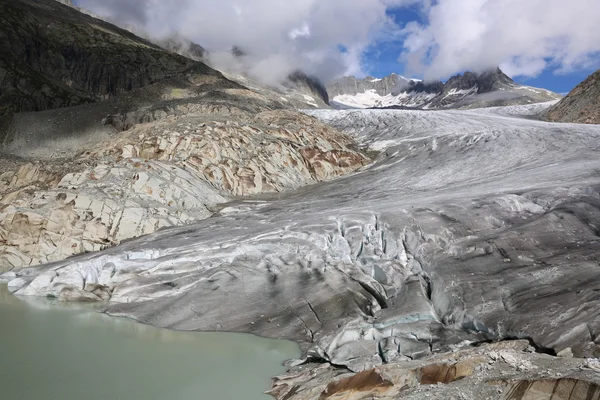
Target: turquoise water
{"x": 48, "y": 352}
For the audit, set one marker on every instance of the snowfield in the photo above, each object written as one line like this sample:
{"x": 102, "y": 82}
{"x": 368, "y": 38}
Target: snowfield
{"x": 469, "y": 225}
{"x": 371, "y": 98}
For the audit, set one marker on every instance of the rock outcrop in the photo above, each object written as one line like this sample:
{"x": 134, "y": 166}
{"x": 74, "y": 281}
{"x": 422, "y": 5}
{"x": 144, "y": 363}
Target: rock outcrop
{"x": 509, "y": 370}
{"x": 187, "y": 48}
{"x": 309, "y": 85}
{"x": 581, "y": 105}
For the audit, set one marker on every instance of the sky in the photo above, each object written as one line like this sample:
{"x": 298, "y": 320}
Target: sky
{"x": 545, "y": 43}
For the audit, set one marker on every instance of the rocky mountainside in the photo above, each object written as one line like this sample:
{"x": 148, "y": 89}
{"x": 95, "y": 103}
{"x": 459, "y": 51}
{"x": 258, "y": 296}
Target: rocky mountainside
{"x": 581, "y": 105}
{"x": 469, "y": 90}
{"x": 298, "y": 90}
{"x": 349, "y": 85}
{"x": 184, "y": 47}
{"x": 151, "y": 155}
{"x": 308, "y": 85}
{"x": 392, "y": 90}
{"x": 51, "y": 56}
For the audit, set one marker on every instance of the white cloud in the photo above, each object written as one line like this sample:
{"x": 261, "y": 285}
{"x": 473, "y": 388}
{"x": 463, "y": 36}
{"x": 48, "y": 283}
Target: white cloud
{"x": 303, "y": 31}
{"x": 328, "y": 37}
{"x": 524, "y": 37}
{"x": 277, "y": 35}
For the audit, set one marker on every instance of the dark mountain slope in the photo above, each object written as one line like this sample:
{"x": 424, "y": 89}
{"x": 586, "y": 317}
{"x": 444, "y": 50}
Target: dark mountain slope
{"x": 582, "y": 105}
{"x": 53, "y": 56}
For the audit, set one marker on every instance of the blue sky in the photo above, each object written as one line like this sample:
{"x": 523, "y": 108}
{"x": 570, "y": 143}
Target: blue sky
{"x": 382, "y": 58}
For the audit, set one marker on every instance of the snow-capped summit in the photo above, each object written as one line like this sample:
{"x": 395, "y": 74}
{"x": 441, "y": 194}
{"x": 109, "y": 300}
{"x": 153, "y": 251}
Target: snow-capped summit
{"x": 469, "y": 90}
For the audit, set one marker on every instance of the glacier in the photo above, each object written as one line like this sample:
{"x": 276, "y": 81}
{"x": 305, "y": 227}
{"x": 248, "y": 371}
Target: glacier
{"x": 468, "y": 226}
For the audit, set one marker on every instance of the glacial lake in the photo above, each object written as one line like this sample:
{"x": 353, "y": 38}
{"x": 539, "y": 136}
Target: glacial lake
{"x": 54, "y": 352}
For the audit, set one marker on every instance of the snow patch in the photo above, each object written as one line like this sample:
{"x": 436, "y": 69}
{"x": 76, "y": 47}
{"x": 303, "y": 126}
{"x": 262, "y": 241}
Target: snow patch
{"x": 310, "y": 100}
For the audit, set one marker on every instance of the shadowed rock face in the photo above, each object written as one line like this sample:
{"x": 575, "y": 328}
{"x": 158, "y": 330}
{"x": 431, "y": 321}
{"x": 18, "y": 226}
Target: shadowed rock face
{"x": 184, "y": 47}
{"x": 52, "y": 56}
{"x": 312, "y": 86}
{"x": 485, "y": 82}
{"x": 581, "y": 105}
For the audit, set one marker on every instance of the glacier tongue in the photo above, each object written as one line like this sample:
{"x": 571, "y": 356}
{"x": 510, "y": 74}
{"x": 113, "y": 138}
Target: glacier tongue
{"x": 470, "y": 225}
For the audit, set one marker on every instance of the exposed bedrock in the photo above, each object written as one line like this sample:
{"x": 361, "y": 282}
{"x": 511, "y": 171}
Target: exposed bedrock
{"x": 508, "y": 370}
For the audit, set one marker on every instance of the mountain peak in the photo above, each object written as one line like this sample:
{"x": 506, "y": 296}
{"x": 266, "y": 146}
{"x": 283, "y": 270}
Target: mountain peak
{"x": 486, "y": 81}
{"x": 470, "y": 89}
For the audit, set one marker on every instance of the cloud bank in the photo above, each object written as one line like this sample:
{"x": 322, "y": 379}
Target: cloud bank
{"x": 328, "y": 38}
{"x": 524, "y": 37}
{"x": 321, "y": 37}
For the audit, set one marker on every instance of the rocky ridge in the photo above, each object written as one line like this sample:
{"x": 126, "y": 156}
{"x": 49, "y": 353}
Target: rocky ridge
{"x": 299, "y": 89}
{"x": 581, "y": 105}
{"x": 469, "y": 90}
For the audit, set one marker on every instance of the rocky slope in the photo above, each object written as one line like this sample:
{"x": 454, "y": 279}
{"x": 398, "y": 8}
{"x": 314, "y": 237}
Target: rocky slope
{"x": 509, "y": 370}
{"x": 392, "y": 90}
{"x": 581, "y": 105}
{"x": 51, "y": 56}
{"x": 173, "y": 164}
{"x": 469, "y": 90}
{"x": 298, "y": 91}
{"x": 308, "y": 85}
